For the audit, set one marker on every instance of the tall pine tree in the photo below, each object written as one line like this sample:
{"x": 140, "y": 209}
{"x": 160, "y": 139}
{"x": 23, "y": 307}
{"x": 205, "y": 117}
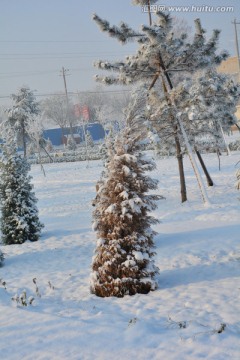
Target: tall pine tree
{"x": 161, "y": 54}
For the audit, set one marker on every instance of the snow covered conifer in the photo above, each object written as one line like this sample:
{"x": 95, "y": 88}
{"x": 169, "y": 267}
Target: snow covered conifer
{"x": 19, "y": 220}
{"x": 89, "y": 139}
{"x": 24, "y": 110}
{"x": 162, "y": 54}
{"x": 207, "y": 102}
{"x": 123, "y": 263}
{"x": 71, "y": 143}
{"x": 49, "y": 145}
{"x": 104, "y": 149}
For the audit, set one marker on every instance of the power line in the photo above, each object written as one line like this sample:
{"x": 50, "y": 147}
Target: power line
{"x": 62, "y": 53}
{"x": 74, "y": 93}
{"x": 51, "y": 41}
{"x": 14, "y": 75}
{"x": 38, "y": 57}
{"x": 237, "y": 46}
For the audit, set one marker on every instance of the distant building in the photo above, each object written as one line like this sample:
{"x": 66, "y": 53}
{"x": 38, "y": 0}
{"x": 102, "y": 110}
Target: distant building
{"x": 59, "y": 136}
{"x": 231, "y": 67}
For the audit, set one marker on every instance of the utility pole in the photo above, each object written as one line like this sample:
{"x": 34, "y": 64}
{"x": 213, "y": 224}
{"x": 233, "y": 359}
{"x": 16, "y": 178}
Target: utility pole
{"x": 237, "y": 47}
{"x": 63, "y": 73}
{"x": 84, "y": 133}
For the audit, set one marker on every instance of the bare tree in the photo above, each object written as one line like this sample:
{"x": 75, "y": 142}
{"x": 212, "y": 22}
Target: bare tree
{"x": 105, "y": 107}
{"x": 59, "y": 111}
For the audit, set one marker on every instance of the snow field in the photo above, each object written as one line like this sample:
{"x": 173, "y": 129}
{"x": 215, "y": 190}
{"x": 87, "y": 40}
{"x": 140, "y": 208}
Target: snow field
{"x": 197, "y": 251}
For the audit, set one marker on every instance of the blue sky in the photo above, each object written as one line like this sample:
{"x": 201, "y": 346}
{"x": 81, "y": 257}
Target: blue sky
{"x": 39, "y": 37}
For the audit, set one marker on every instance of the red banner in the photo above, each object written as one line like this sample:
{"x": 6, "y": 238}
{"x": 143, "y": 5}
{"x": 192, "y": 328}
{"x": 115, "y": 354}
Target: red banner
{"x": 82, "y": 111}
{"x": 85, "y": 113}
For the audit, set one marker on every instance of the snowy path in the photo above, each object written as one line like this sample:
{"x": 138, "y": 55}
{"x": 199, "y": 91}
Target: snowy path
{"x": 197, "y": 253}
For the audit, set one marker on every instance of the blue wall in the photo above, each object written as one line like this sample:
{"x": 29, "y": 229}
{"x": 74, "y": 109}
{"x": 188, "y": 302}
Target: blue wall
{"x": 55, "y": 135}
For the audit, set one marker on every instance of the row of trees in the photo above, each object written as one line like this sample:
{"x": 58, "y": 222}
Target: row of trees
{"x": 103, "y": 107}
{"x": 30, "y": 117}
{"x": 163, "y": 61}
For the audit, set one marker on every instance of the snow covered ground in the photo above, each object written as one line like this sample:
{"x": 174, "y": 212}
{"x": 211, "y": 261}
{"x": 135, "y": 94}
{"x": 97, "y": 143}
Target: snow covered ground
{"x": 195, "y": 313}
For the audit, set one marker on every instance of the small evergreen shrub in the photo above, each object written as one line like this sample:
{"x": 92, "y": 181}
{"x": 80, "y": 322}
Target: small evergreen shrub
{"x": 235, "y": 145}
{"x": 71, "y": 143}
{"x": 19, "y": 221}
{"x": 49, "y": 145}
{"x": 89, "y": 139}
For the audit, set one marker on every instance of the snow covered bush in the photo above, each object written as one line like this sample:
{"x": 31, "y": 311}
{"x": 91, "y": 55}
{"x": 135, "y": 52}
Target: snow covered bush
{"x": 106, "y": 145}
{"x": 31, "y": 149}
{"x": 207, "y": 105}
{"x": 89, "y": 139}
{"x": 71, "y": 143}
{"x": 123, "y": 262}
{"x": 79, "y": 154}
{"x": 19, "y": 220}
{"x": 234, "y": 145}
{"x": 22, "y": 299}
{"x": 103, "y": 151}
{"x": 49, "y": 145}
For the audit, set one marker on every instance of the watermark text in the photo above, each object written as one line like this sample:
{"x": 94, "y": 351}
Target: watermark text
{"x": 191, "y": 8}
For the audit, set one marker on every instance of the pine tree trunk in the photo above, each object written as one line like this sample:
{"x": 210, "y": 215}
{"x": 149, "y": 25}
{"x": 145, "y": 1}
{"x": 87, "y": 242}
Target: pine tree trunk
{"x": 71, "y": 130}
{"x": 208, "y": 177}
{"x": 86, "y": 144}
{"x": 219, "y": 160}
{"x": 24, "y": 139}
{"x": 194, "y": 164}
{"x": 181, "y": 170}
{"x": 204, "y": 195}
{"x": 149, "y": 13}
{"x": 225, "y": 141}
{"x": 177, "y": 143}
